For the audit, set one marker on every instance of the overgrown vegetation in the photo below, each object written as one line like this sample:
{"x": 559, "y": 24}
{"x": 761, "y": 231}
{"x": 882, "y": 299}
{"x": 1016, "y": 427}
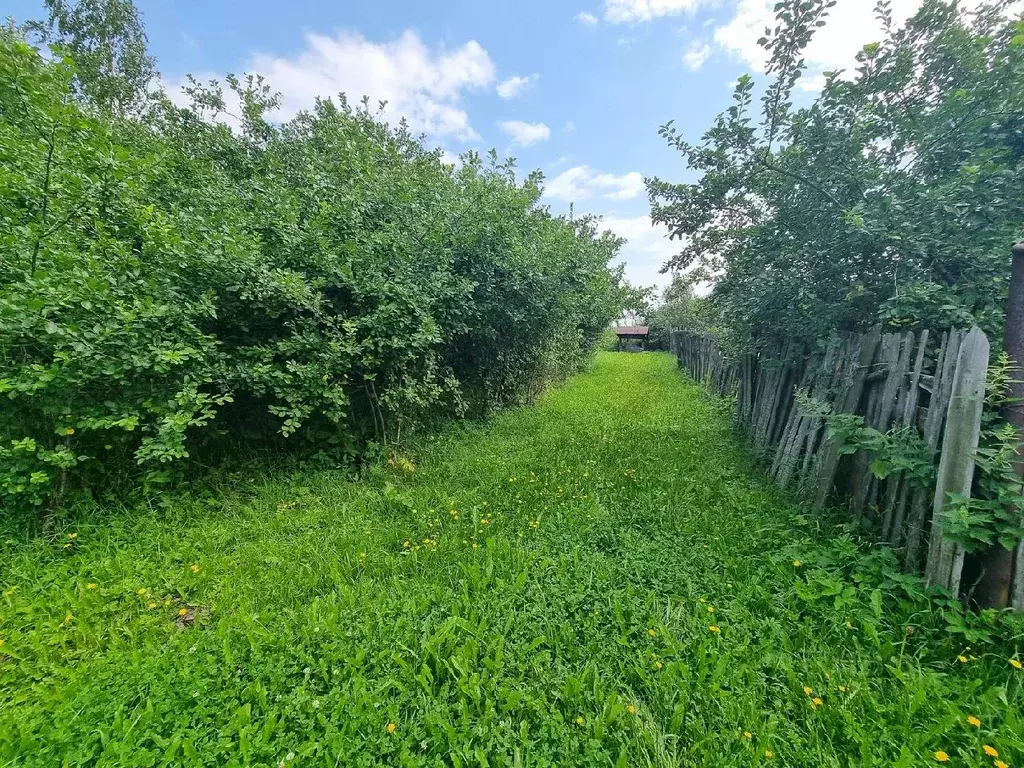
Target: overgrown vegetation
{"x": 598, "y": 580}
{"x": 167, "y": 281}
{"x": 893, "y": 196}
{"x": 992, "y": 514}
{"x": 677, "y": 309}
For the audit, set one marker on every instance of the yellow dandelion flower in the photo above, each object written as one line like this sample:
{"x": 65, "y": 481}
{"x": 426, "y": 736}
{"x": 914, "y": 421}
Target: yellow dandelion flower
{"x": 151, "y": 605}
{"x": 748, "y": 735}
{"x": 769, "y": 754}
{"x": 652, "y": 632}
{"x": 73, "y": 535}
{"x": 580, "y": 721}
{"x": 1000, "y": 764}
{"x": 941, "y": 757}
{"x": 715, "y": 628}
{"x": 711, "y": 609}
{"x": 1016, "y": 664}
{"x": 10, "y": 591}
{"x": 182, "y": 611}
{"x": 658, "y": 665}
{"x": 140, "y": 591}
{"x": 849, "y": 625}
{"x": 808, "y": 690}
{"x": 391, "y": 728}
{"x": 1, "y": 642}
{"x": 797, "y": 563}
{"x": 631, "y": 709}
{"x": 91, "y": 585}
{"x": 194, "y": 567}
{"x": 842, "y": 689}
{"x": 990, "y": 751}
{"x": 69, "y": 431}
{"x": 974, "y": 721}
{"x": 817, "y": 702}
{"x": 962, "y": 659}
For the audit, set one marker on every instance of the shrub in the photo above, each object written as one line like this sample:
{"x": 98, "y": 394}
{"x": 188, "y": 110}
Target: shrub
{"x": 164, "y": 277}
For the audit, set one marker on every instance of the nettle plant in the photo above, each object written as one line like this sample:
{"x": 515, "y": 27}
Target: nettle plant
{"x": 994, "y": 514}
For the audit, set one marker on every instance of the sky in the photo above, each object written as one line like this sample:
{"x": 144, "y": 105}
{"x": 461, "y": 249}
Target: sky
{"x": 575, "y": 88}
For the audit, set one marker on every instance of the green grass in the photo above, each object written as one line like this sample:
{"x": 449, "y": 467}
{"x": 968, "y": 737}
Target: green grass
{"x": 553, "y": 607}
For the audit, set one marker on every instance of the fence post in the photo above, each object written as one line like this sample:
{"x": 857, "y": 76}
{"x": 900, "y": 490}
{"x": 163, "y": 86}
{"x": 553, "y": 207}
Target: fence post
{"x": 1013, "y": 343}
{"x": 956, "y": 463}
{"x": 996, "y": 563}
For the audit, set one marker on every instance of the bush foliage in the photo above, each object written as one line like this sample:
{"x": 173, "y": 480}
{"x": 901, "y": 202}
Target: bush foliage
{"x": 892, "y": 196}
{"x": 165, "y": 278}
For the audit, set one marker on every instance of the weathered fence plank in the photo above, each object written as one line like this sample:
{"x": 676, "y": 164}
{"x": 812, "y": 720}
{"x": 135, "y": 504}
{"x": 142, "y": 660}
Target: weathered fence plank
{"x": 850, "y": 397}
{"x": 942, "y": 387}
{"x": 893, "y": 381}
{"x": 896, "y": 507}
{"x": 956, "y": 461}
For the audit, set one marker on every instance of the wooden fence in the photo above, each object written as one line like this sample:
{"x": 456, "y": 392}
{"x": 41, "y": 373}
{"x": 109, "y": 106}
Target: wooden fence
{"x": 893, "y": 381}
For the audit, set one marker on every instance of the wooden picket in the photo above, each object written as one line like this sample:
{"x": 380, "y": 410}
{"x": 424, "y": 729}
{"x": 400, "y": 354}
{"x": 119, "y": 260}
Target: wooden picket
{"x": 892, "y": 380}
{"x": 956, "y": 462}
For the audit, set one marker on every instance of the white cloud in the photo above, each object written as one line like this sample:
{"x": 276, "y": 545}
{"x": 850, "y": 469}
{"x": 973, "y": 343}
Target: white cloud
{"x": 647, "y": 249}
{"x": 695, "y": 56}
{"x": 513, "y": 86}
{"x": 587, "y": 18}
{"x": 525, "y": 134}
{"x": 582, "y": 182}
{"x": 423, "y": 85}
{"x": 450, "y": 158}
{"x": 850, "y": 25}
{"x": 631, "y": 11}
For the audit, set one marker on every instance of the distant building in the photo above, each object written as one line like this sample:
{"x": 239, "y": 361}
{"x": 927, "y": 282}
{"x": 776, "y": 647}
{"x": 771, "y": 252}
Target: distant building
{"x": 632, "y": 338}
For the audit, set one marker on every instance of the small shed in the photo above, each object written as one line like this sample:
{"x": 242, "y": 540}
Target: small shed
{"x": 632, "y": 337}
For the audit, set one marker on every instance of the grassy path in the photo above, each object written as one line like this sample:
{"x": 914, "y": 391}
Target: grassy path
{"x": 597, "y": 581}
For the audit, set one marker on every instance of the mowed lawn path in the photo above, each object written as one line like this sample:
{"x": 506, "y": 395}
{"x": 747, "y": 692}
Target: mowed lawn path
{"x": 599, "y": 580}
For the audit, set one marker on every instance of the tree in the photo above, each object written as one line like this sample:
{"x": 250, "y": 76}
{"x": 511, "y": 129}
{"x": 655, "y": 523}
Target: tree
{"x": 891, "y": 196}
{"x": 679, "y": 309}
{"x": 108, "y": 44}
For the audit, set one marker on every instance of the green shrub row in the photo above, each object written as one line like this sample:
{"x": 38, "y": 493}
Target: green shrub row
{"x": 167, "y": 279}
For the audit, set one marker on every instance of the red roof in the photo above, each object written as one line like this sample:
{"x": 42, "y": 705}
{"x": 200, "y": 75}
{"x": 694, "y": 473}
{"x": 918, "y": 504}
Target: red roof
{"x": 631, "y": 330}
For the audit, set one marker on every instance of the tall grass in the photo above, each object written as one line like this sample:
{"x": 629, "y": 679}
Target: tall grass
{"x": 597, "y": 580}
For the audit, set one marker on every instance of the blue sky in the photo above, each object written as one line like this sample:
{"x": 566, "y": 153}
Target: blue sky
{"x": 577, "y": 89}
